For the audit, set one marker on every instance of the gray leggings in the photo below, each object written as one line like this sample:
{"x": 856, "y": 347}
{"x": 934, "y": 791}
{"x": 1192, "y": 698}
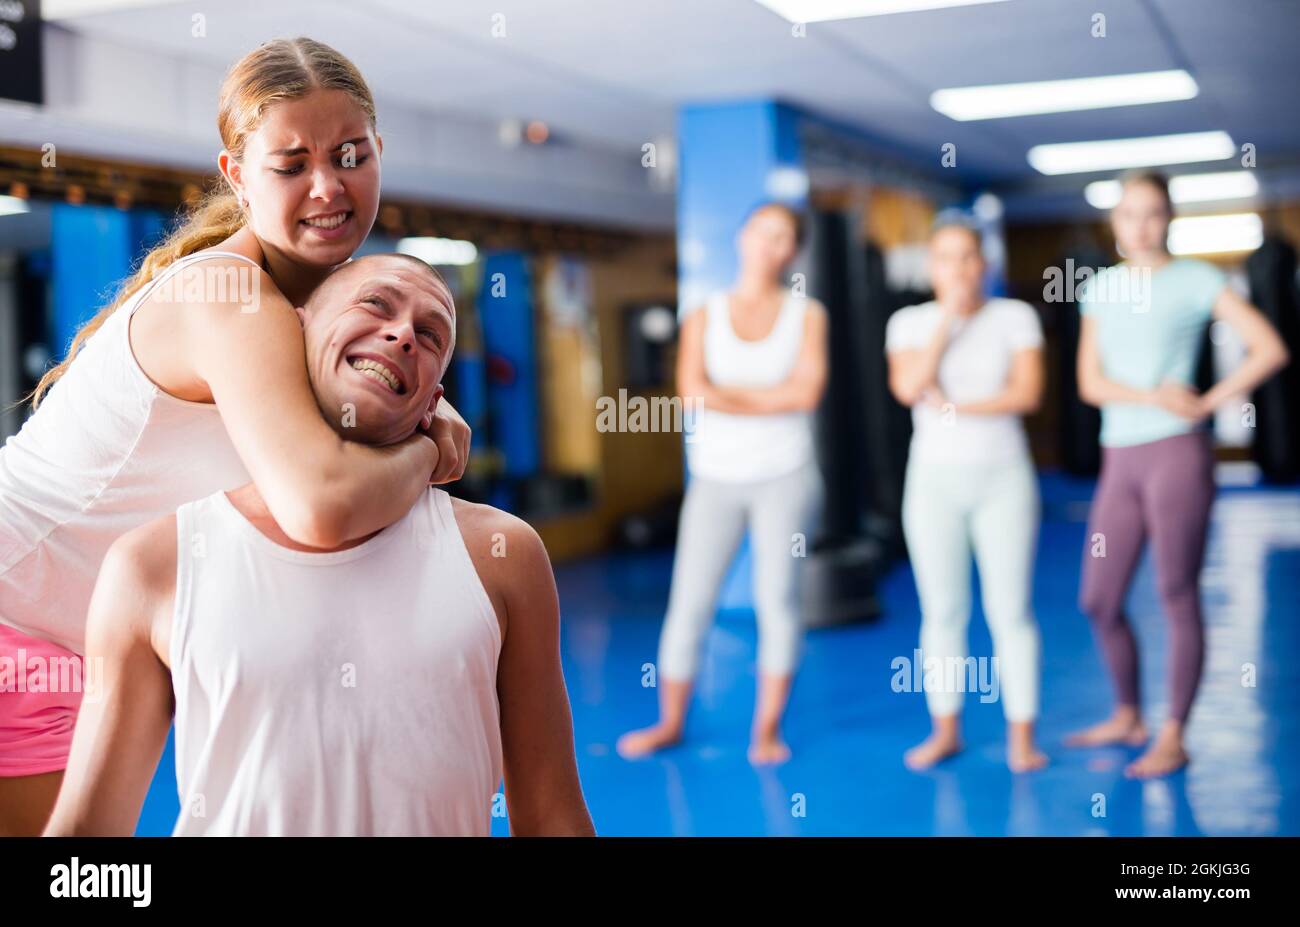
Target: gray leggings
{"x": 780, "y": 514}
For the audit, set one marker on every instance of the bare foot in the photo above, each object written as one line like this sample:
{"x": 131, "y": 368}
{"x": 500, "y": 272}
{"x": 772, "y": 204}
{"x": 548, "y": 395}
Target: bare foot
{"x": 1166, "y": 755}
{"x": 1123, "y": 727}
{"x": 640, "y": 743}
{"x": 1025, "y": 758}
{"x": 768, "y": 750}
{"x": 934, "y": 749}
{"x": 1023, "y": 754}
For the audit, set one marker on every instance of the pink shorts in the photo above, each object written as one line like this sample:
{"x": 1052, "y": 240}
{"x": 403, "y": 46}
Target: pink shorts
{"x": 41, "y": 685}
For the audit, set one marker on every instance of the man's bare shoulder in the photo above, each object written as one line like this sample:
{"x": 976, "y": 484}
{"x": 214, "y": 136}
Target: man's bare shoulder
{"x": 145, "y": 555}
{"x": 510, "y": 559}
{"x": 495, "y": 535}
{"x": 136, "y": 587}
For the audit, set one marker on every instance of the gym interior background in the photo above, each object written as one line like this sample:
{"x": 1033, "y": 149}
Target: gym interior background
{"x": 606, "y": 153}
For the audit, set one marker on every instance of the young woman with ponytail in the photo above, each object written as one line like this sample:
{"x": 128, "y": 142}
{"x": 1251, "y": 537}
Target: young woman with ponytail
{"x": 166, "y": 397}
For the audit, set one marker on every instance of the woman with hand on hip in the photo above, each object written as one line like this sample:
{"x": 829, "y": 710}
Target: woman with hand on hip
{"x": 180, "y": 389}
{"x": 756, "y": 358}
{"x": 969, "y": 367}
{"x": 1143, "y": 322}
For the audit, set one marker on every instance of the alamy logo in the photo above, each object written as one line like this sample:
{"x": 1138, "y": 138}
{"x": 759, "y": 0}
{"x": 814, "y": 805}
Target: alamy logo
{"x": 1130, "y": 286}
{"x": 946, "y": 674}
{"x": 240, "y": 285}
{"x": 103, "y": 880}
{"x": 27, "y": 672}
{"x": 653, "y": 414}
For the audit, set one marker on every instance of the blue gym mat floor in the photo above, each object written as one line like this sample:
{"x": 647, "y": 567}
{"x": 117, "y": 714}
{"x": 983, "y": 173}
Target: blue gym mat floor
{"x": 848, "y": 729}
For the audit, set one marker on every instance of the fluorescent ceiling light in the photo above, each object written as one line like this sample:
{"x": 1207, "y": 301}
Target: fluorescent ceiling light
{"x": 67, "y": 9}
{"x": 995, "y": 101}
{"x": 12, "y": 206}
{"x": 1242, "y": 231}
{"x": 1201, "y": 188}
{"x": 439, "y": 250}
{"x": 1119, "y": 153}
{"x": 817, "y": 11}
{"x": 1185, "y": 188}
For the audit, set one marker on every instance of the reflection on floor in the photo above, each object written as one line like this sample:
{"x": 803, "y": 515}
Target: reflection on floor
{"x": 848, "y": 728}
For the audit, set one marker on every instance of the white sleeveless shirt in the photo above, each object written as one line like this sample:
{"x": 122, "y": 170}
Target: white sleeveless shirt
{"x": 348, "y": 693}
{"x": 106, "y": 451}
{"x": 746, "y": 448}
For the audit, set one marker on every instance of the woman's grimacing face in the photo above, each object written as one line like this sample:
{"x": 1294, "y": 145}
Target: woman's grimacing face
{"x": 311, "y": 177}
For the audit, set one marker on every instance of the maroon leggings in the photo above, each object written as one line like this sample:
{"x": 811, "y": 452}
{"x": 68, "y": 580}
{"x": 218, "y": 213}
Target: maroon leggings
{"x": 1162, "y": 490}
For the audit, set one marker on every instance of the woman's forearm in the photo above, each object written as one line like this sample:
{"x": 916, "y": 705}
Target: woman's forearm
{"x": 800, "y": 391}
{"x": 923, "y": 370}
{"x": 1008, "y": 402}
{"x": 1254, "y": 370}
{"x": 1097, "y": 390}
{"x": 765, "y": 400}
{"x": 368, "y": 488}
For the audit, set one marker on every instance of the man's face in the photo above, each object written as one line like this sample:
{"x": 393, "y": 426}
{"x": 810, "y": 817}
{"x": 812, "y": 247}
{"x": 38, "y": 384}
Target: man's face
{"x": 379, "y": 332}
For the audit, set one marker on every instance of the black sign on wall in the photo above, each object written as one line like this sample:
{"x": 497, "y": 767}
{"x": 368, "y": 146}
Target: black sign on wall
{"x": 20, "y": 50}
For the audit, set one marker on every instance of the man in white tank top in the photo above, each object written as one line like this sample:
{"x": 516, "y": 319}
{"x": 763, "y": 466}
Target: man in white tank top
{"x": 379, "y": 688}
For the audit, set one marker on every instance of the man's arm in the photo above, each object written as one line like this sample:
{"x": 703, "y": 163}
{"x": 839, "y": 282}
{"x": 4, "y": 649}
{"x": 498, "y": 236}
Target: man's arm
{"x": 122, "y": 727}
{"x": 543, "y": 794}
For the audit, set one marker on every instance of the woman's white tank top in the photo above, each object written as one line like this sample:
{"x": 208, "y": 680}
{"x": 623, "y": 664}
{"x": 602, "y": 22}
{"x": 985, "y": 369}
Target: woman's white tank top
{"x": 106, "y": 451}
{"x": 745, "y": 448}
{"x": 346, "y": 693}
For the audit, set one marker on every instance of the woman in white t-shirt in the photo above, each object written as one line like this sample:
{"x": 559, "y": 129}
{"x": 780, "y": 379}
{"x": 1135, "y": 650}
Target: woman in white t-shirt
{"x": 969, "y": 367}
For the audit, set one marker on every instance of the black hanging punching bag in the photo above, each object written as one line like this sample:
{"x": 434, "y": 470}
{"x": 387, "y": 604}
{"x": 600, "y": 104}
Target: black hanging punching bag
{"x": 1271, "y": 270}
{"x": 839, "y": 426}
{"x": 890, "y": 423}
{"x": 839, "y": 576}
{"x": 1080, "y": 422}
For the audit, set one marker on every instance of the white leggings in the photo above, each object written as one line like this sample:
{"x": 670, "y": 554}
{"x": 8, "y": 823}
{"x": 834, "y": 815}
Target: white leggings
{"x": 948, "y": 509}
{"x": 713, "y": 521}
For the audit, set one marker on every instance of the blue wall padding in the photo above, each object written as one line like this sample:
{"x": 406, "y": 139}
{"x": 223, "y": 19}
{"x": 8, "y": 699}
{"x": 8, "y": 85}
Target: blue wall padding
{"x": 94, "y": 249}
{"x": 506, "y": 311}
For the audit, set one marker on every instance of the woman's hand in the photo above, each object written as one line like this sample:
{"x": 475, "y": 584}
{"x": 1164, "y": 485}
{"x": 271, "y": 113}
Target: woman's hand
{"x": 949, "y": 316}
{"x": 1181, "y": 401}
{"x": 933, "y": 397}
{"x": 451, "y": 434}
{"x": 912, "y": 371}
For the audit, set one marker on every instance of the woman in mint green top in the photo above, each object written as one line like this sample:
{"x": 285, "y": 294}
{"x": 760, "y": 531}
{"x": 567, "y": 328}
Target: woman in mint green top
{"x": 1143, "y": 322}
{"x": 1149, "y": 324}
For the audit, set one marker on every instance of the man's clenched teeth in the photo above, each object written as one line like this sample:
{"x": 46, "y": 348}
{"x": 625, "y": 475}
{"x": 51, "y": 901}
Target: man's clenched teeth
{"x": 377, "y": 372}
